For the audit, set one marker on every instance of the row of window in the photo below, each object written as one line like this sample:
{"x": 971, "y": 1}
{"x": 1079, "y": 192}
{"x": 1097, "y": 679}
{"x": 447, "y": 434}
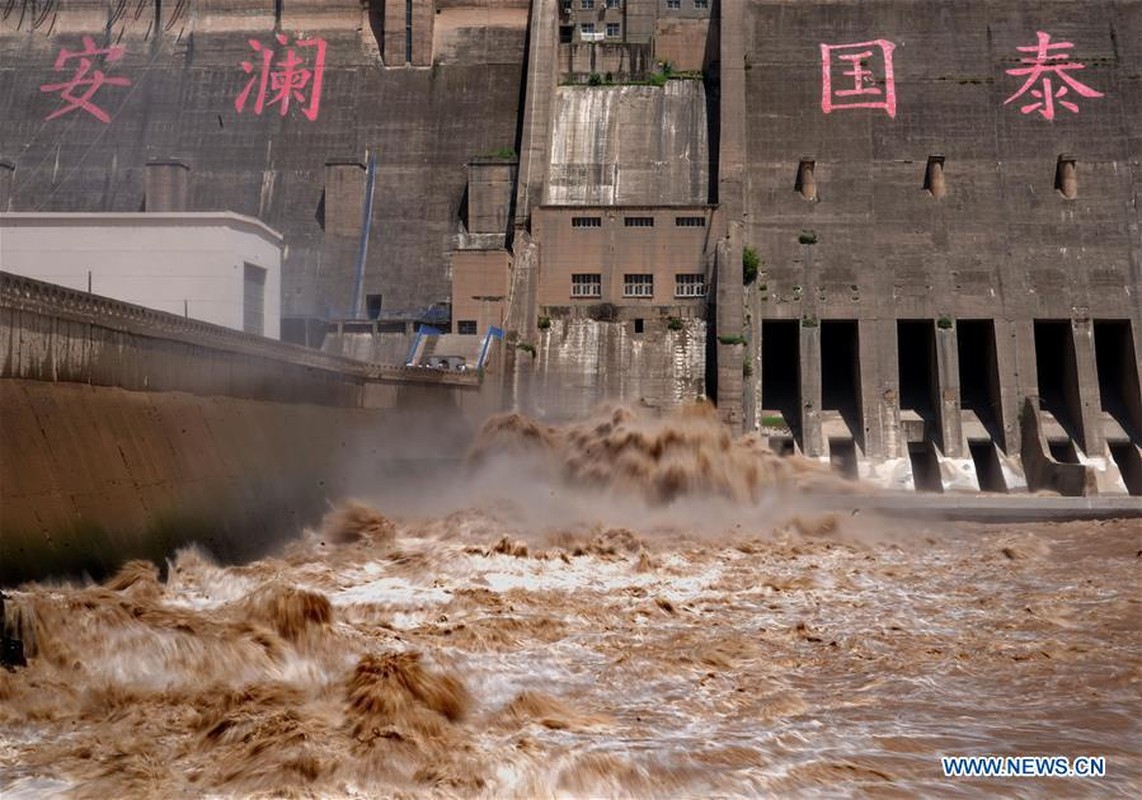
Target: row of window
{"x": 587, "y": 30}
{"x": 637, "y": 284}
{"x": 671, "y": 4}
{"x": 638, "y": 222}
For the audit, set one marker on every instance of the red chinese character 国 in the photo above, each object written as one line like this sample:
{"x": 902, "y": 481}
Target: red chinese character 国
{"x": 1040, "y": 69}
{"x": 86, "y": 80}
{"x": 857, "y": 86}
{"x": 290, "y": 79}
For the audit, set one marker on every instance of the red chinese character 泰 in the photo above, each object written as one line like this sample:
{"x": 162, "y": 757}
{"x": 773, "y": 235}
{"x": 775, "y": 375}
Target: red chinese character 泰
{"x": 863, "y": 90}
{"x": 286, "y": 80}
{"x": 1040, "y": 68}
{"x": 86, "y": 78}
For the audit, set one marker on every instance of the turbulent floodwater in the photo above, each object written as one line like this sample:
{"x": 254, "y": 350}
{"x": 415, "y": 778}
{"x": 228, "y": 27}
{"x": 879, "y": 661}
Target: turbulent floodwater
{"x": 549, "y": 641}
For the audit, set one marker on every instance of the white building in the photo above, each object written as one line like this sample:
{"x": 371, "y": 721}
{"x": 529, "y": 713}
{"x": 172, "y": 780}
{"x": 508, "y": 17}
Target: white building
{"x": 217, "y": 267}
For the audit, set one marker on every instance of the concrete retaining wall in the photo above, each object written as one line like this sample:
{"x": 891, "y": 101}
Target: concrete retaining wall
{"x": 128, "y": 432}
{"x": 91, "y": 476}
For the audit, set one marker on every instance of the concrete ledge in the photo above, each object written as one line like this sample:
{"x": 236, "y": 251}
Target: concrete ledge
{"x": 25, "y": 300}
{"x": 990, "y": 508}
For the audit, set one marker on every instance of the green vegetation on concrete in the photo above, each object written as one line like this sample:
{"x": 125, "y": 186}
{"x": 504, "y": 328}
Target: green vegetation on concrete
{"x": 502, "y": 152}
{"x": 751, "y": 263}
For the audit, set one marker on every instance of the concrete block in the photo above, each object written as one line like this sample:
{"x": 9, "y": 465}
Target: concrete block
{"x": 1043, "y": 472}
{"x": 948, "y": 393}
{"x": 1085, "y": 388}
{"x": 812, "y": 444}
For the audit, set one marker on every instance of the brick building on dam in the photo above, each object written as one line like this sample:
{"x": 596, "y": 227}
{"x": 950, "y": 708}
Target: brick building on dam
{"x": 900, "y": 237}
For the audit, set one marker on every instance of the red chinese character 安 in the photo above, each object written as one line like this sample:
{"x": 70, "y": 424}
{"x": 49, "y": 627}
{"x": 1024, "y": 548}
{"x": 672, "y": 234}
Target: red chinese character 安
{"x": 857, "y": 86}
{"x": 289, "y": 79}
{"x": 87, "y": 79}
{"x": 1040, "y": 69}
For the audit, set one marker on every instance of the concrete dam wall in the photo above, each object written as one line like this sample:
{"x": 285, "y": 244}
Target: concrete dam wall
{"x": 128, "y": 432}
{"x": 629, "y": 145}
{"x": 581, "y": 363}
{"x": 186, "y": 80}
{"x": 936, "y": 245}
{"x": 945, "y": 265}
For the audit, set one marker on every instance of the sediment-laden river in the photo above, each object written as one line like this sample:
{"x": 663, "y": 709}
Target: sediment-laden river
{"x": 705, "y": 637}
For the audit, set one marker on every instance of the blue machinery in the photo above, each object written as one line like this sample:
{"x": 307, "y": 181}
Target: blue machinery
{"x": 426, "y": 332}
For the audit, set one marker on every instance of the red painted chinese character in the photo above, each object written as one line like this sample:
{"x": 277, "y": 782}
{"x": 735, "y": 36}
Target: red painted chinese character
{"x": 285, "y": 81}
{"x": 1041, "y": 69}
{"x": 86, "y": 79}
{"x": 858, "y": 82}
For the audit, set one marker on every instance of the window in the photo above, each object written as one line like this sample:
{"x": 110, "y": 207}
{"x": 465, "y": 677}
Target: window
{"x": 587, "y": 30}
{"x": 638, "y": 222}
{"x": 674, "y": 3}
{"x": 690, "y": 285}
{"x": 690, "y": 222}
{"x": 253, "y": 300}
{"x": 1066, "y": 179}
{"x": 586, "y": 3}
{"x": 701, "y": 3}
{"x": 613, "y": 30}
{"x": 408, "y": 32}
{"x": 614, "y": 4}
{"x": 638, "y": 285}
{"x": 639, "y": 327}
{"x": 373, "y": 306}
{"x": 586, "y": 222}
{"x": 587, "y": 284}
{"x": 466, "y": 327}
{"x": 934, "y": 177}
{"x": 806, "y": 183}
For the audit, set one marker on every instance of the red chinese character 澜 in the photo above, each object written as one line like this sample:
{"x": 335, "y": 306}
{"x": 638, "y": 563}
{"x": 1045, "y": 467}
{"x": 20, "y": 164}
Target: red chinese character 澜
{"x": 86, "y": 78}
{"x": 1041, "y": 69}
{"x": 861, "y": 85}
{"x": 285, "y": 80}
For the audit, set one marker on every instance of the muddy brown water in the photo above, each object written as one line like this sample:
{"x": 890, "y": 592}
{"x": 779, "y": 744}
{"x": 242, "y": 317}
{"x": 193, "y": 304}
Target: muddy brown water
{"x": 489, "y": 652}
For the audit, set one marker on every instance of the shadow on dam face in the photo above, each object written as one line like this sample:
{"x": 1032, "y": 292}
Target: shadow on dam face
{"x": 840, "y": 373}
{"x": 781, "y": 371}
{"x": 979, "y": 374}
{"x": 1058, "y": 380}
{"x": 1117, "y": 366}
{"x": 916, "y": 343}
